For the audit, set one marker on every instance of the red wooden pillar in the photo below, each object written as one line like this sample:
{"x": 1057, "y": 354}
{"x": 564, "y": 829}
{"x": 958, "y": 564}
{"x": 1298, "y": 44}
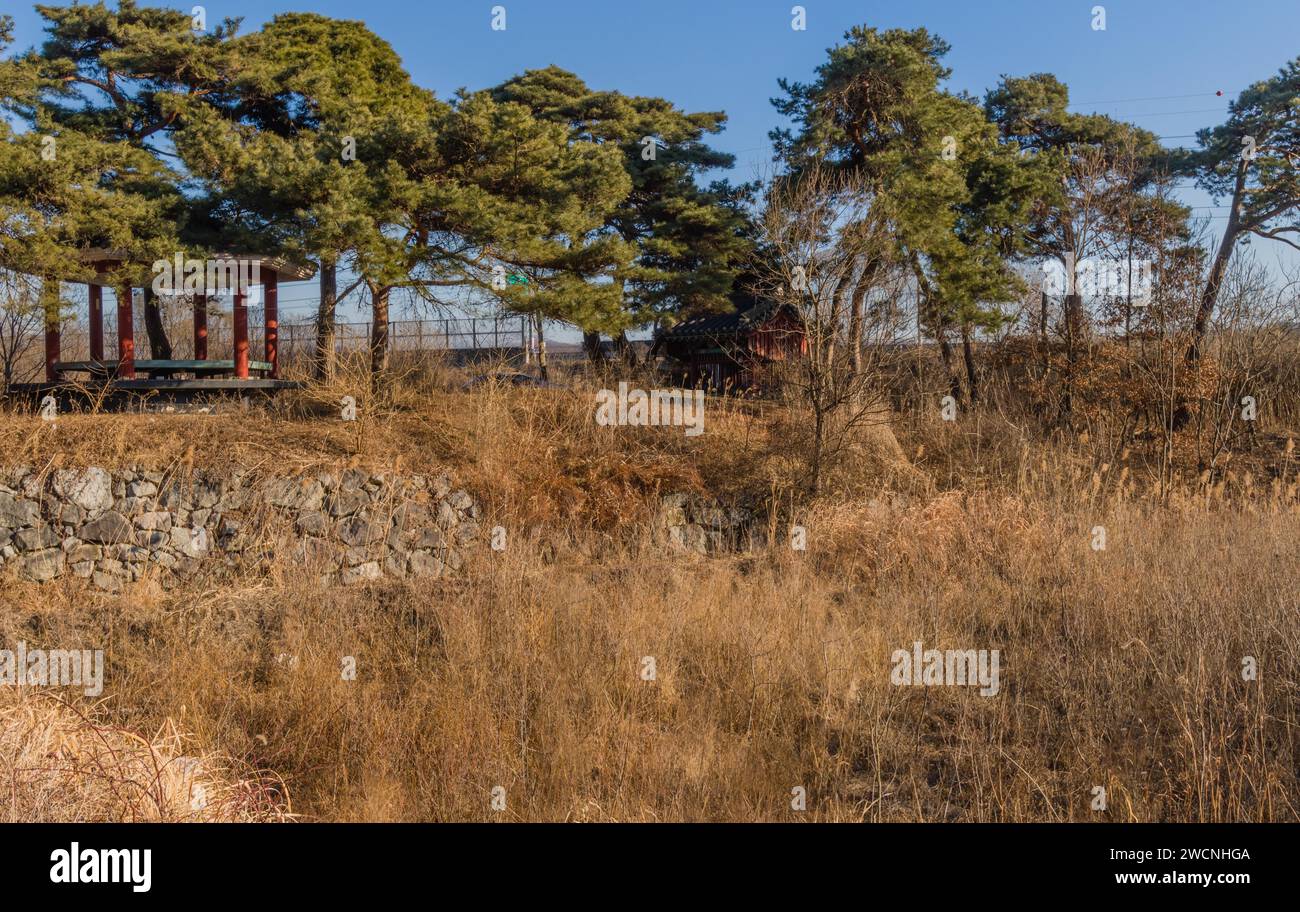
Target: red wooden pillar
{"x": 96, "y": 322}
{"x": 200, "y": 327}
{"x": 125, "y": 335}
{"x": 50, "y": 306}
{"x": 241, "y": 333}
{"x": 271, "y": 303}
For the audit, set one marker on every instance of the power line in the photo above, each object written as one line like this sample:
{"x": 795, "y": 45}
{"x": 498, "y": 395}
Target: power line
{"x": 1079, "y": 104}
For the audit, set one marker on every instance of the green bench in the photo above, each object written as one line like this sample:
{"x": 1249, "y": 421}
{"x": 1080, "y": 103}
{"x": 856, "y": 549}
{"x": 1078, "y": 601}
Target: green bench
{"x": 107, "y": 368}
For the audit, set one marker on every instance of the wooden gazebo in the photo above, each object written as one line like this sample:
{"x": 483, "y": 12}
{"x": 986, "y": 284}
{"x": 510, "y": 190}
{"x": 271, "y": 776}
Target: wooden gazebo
{"x": 240, "y": 372}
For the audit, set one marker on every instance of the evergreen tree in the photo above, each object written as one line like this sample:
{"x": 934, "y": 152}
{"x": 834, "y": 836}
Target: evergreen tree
{"x": 1253, "y": 160}
{"x": 688, "y": 241}
{"x": 64, "y": 190}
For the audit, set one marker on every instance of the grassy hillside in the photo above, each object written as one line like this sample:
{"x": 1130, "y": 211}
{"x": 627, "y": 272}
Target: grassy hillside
{"x": 1120, "y": 668}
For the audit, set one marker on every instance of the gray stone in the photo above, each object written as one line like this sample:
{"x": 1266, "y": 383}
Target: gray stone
{"x": 111, "y": 566}
{"x": 440, "y": 486}
{"x": 205, "y": 493}
{"x": 354, "y": 479}
{"x": 83, "y": 569}
{"x": 190, "y": 542}
{"x": 141, "y": 489}
{"x": 313, "y": 497}
{"x": 81, "y": 553}
{"x": 345, "y": 503}
{"x": 130, "y": 554}
{"x": 358, "y": 532}
{"x": 91, "y": 489}
{"x": 42, "y": 566}
{"x": 170, "y": 496}
{"x": 425, "y": 564}
{"x": 362, "y": 573}
{"x": 355, "y": 556}
{"x": 164, "y": 559}
{"x": 446, "y": 516}
{"x": 281, "y": 492}
{"x": 395, "y": 565}
{"x": 72, "y": 515}
{"x": 159, "y": 520}
{"x": 460, "y": 501}
{"x": 35, "y": 539}
{"x": 467, "y": 532}
{"x": 314, "y": 551}
{"x": 694, "y": 539}
{"x": 154, "y": 540}
{"x": 312, "y": 522}
{"x": 428, "y": 538}
{"x": 130, "y": 506}
{"x": 199, "y": 518}
{"x": 106, "y": 581}
{"x": 108, "y": 529}
{"x": 236, "y": 499}
{"x": 671, "y": 515}
{"x": 16, "y": 512}
{"x": 411, "y": 515}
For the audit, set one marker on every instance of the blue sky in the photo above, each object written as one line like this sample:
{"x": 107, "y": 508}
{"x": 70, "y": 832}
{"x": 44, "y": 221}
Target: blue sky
{"x": 1158, "y": 63}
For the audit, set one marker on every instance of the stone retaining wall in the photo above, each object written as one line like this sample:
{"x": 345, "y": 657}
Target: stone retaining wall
{"x": 708, "y": 526}
{"x": 114, "y": 527}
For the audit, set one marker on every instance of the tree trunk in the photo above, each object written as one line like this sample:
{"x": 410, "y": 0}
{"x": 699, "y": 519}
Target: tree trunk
{"x": 1210, "y": 295}
{"x": 1073, "y": 326}
{"x": 591, "y": 345}
{"x": 379, "y": 335}
{"x": 968, "y": 352}
{"x": 160, "y": 349}
{"x": 625, "y": 349}
{"x": 855, "y": 324}
{"x": 1042, "y": 331}
{"x": 329, "y": 289}
{"x": 815, "y": 470}
{"x": 945, "y": 355}
{"x": 542, "y": 369}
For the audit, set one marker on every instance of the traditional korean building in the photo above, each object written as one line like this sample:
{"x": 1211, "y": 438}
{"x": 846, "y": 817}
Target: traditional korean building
{"x": 735, "y": 350}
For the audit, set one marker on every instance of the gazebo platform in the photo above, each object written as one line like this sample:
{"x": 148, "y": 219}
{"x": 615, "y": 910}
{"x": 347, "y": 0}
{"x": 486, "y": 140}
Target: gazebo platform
{"x": 115, "y": 393}
{"x": 233, "y": 272}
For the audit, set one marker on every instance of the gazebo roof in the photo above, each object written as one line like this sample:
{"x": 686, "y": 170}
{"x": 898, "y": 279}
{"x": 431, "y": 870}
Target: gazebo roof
{"x": 283, "y": 267}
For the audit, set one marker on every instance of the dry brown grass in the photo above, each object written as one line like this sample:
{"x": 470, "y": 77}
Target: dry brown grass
{"x": 1120, "y": 668}
{"x": 61, "y": 762}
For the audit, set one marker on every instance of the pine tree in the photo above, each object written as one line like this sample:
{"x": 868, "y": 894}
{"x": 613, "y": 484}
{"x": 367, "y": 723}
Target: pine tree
{"x": 689, "y": 242}
{"x": 64, "y": 190}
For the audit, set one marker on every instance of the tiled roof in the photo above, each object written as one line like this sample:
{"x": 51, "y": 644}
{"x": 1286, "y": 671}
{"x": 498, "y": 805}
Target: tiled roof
{"x": 725, "y": 324}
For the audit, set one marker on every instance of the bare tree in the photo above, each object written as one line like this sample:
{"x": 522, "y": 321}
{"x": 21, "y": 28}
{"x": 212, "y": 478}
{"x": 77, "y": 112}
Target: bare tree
{"x": 21, "y": 320}
{"x": 828, "y": 253}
